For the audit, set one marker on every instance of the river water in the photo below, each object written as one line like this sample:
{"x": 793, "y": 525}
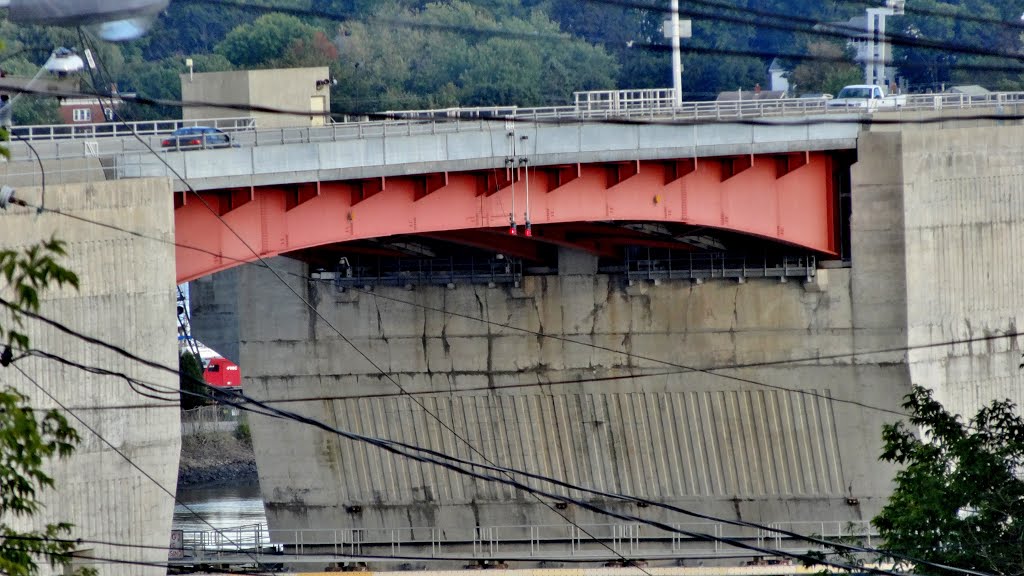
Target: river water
{"x": 225, "y": 506}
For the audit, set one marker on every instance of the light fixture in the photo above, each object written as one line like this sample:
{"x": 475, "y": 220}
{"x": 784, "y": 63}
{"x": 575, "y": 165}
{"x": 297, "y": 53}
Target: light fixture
{"x": 320, "y": 84}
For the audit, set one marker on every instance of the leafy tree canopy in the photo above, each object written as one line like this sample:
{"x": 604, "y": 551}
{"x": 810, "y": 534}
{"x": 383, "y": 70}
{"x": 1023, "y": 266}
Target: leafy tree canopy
{"x": 261, "y": 43}
{"x": 29, "y": 438}
{"x": 191, "y": 375}
{"x": 959, "y": 498}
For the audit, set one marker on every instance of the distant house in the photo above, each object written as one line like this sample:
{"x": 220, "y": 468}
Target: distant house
{"x": 777, "y": 79}
{"x": 89, "y": 110}
{"x": 755, "y": 94}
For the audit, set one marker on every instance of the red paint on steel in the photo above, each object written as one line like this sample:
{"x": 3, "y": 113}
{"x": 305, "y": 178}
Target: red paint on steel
{"x": 747, "y": 195}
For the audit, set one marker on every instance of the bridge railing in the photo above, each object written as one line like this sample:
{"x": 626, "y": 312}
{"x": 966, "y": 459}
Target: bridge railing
{"x": 120, "y": 130}
{"x": 537, "y": 541}
{"x": 594, "y": 105}
{"x": 423, "y": 272}
{"x": 708, "y": 266}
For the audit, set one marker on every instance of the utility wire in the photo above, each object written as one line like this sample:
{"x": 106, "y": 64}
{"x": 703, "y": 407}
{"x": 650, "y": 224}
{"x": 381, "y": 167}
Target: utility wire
{"x": 682, "y": 369}
{"x": 783, "y": 21}
{"x": 120, "y": 453}
{"x": 947, "y": 14}
{"x": 411, "y": 22}
{"x": 453, "y": 462}
{"x": 508, "y": 478}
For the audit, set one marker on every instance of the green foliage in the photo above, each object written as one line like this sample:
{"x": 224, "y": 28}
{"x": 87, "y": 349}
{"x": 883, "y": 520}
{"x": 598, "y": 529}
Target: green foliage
{"x": 261, "y": 43}
{"x": 506, "y": 59}
{"x": 406, "y": 54}
{"x": 243, "y": 434}
{"x": 811, "y": 76}
{"x": 26, "y": 273}
{"x": 29, "y": 440}
{"x": 190, "y": 381}
{"x": 33, "y": 111}
{"x": 959, "y": 497}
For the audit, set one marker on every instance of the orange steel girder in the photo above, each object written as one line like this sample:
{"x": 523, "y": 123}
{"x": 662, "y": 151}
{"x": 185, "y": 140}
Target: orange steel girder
{"x": 779, "y": 197}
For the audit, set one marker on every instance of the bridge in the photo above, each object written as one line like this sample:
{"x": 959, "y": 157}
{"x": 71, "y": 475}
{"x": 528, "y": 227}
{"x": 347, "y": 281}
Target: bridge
{"x": 449, "y": 174}
{"x": 805, "y": 263}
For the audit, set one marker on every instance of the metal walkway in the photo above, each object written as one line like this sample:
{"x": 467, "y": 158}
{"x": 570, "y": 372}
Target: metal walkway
{"x": 247, "y": 545}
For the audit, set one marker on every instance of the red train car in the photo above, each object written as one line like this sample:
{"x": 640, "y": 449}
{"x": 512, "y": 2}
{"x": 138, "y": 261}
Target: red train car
{"x": 222, "y": 373}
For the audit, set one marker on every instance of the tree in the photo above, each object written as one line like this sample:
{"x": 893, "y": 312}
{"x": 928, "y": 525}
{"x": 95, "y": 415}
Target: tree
{"x": 814, "y": 75}
{"x": 460, "y": 53}
{"x": 28, "y": 438}
{"x": 191, "y": 376}
{"x": 959, "y": 499}
{"x": 261, "y": 43}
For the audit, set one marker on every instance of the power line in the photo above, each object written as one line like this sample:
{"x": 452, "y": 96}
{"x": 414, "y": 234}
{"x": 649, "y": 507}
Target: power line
{"x": 385, "y": 444}
{"x": 120, "y": 453}
{"x": 966, "y": 17}
{"x": 411, "y": 22}
{"x": 682, "y": 369}
{"x": 307, "y": 304}
{"x": 829, "y": 30}
{"x": 399, "y": 447}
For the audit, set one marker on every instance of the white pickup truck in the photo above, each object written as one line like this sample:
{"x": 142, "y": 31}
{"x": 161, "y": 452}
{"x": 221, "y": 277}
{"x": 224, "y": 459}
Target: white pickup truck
{"x": 866, "y": 97}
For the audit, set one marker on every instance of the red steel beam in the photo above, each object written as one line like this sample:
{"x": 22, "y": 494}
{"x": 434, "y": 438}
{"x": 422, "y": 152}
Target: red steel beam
{"x": 746, "y": 195}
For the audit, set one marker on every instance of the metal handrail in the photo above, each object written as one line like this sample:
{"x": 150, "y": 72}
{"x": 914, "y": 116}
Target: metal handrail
{"x": 538, "y": 540}
{"x": 132, "y": 157}
{"x": 595, "y": 105}
{"x": 121, "y": 130}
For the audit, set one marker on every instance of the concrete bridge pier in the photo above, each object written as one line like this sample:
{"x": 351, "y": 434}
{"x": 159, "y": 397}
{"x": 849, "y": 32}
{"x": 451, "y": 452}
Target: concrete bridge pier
{"x": 127, "y": 299}
{"x": 937, "y": 225}
{"x": 583, "y": 412}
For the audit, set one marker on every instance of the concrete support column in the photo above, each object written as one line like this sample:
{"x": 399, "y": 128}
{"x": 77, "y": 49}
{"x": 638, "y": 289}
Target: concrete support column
{"x": 126, "y": 298}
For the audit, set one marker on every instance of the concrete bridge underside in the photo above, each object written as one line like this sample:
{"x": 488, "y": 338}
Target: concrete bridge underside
{"x": 788, "y": 198}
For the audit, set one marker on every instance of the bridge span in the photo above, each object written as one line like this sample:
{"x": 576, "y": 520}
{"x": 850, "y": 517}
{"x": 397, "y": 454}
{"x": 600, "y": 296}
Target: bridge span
{"x": 579, "y": 369}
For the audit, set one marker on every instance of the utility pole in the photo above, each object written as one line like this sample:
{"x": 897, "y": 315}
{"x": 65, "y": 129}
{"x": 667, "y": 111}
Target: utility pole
{"x": 674, "y": 30}
{"x": 879, "y": 52}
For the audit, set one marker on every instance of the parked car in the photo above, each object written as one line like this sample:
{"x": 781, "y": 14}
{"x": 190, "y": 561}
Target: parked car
{"x": 196, "y": 137}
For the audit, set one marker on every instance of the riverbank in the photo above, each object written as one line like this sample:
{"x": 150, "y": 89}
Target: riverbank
{"x": 210, "y": 458}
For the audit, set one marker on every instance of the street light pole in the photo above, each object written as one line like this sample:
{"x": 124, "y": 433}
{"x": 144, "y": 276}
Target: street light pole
{"x": 677, "y": 60}
{"x": 115, "y": 19}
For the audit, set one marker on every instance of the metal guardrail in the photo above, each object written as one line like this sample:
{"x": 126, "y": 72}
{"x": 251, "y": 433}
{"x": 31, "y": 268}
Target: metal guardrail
{"x": 495, "y": 542}
{"x": 210, "y": 419}
{"x": 120, "y": 130}
{"x": 592, "y": 105}
{"x": 707, "y": 266}
{"x": 424, "y": 272}
{"x": 135, "y": 159}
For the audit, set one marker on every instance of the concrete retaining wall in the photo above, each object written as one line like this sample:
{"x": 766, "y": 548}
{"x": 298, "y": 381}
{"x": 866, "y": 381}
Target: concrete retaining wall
{"x": 726, "y": 447}
{"x": 127, "y": 299}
